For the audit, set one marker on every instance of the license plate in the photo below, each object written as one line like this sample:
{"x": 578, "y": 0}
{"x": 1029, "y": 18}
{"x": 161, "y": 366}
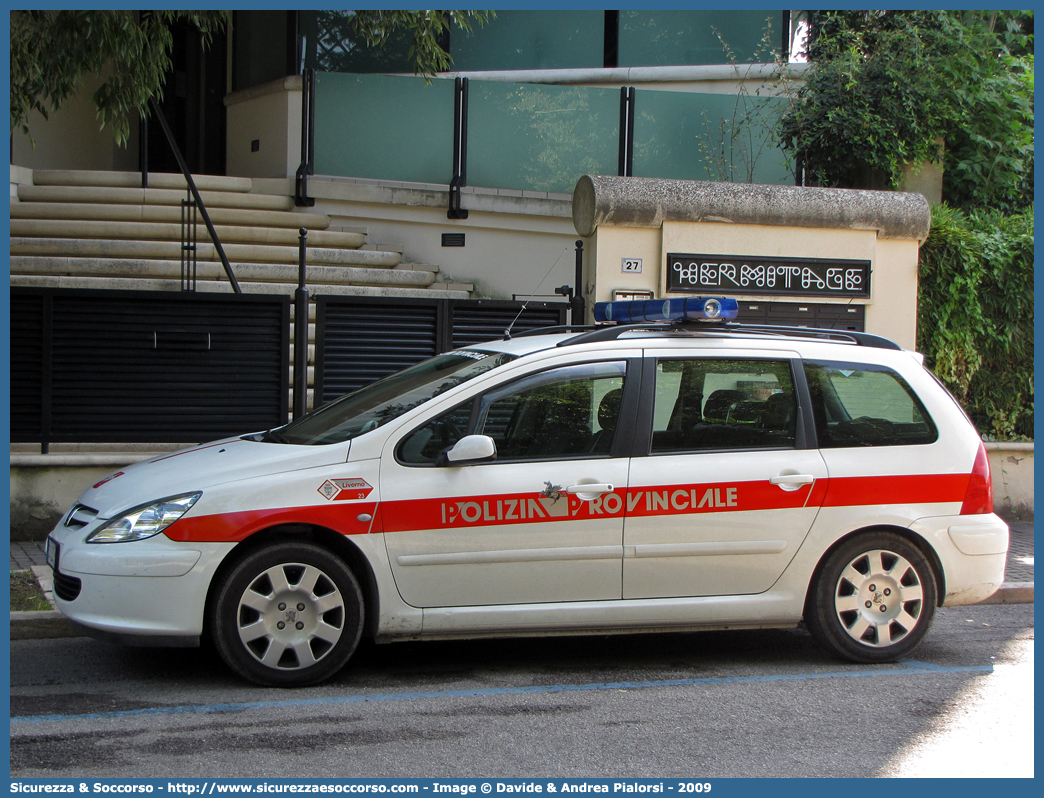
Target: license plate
{"x": 51, "y": 550}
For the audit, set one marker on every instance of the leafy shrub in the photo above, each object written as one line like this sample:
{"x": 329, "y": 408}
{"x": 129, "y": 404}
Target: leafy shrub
{"x": 885, "y": 87}
{"x": 975, "y": 311}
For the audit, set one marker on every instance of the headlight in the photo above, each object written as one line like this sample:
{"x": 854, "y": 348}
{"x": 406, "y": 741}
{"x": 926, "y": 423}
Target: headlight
{"x": 145, "y": 521}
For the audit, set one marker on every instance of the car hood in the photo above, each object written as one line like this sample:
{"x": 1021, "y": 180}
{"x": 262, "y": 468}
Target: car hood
{"x": 201, "y": 467}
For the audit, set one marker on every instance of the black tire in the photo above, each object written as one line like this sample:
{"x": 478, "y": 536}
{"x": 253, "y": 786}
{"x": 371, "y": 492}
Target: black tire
{"x": 848, "y": 611}
{"x": 288, "y": 615}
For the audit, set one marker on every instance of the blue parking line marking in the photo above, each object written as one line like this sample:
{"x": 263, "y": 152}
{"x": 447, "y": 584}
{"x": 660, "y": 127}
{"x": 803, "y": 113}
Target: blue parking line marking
{"x": 906, "y": 668}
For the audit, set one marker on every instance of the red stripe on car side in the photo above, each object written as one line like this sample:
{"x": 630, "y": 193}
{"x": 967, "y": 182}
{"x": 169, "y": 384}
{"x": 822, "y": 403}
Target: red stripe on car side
{"x": 527, "y": 508}
{"x": 232, "y": 527}
{"x": 912, "y": 489}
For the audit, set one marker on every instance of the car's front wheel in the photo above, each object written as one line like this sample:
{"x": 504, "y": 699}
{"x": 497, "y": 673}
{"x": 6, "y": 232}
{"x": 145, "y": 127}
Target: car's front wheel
{"x": 287, "y": 615}
{"x": 873, "y": 599}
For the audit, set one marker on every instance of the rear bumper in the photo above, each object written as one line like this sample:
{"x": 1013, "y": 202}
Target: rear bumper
{"x": 972, "y": 550}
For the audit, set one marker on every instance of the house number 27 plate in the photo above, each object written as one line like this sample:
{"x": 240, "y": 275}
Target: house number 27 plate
{"x": 632, "y": 266}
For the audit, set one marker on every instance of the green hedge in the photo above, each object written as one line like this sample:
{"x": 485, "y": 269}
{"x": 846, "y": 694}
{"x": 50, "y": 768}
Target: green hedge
{"x": 975, "y": 315}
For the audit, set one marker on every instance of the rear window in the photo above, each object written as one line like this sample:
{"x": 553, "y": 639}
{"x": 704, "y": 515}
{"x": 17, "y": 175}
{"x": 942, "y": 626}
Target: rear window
{"x": 718, "y": 405}
{"x": 861, "y": 405}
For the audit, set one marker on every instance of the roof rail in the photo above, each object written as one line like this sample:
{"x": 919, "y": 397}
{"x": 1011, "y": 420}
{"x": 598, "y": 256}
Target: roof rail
{"x": 548, "y": 330}
{"x": 861, "y": 338}
{"x": 610, "y": 333}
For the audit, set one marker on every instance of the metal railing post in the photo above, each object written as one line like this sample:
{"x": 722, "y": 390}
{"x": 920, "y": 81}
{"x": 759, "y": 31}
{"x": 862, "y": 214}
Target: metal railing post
{"x": 460, "y": 148}
{"x": 577, "y": 305}
{"x": 307, "y": 167}
{"x": 189, "y": 241}
{"x": 301, "y": 331}
{"x": 143, "y": 150}
{"x": 626, "y": 160}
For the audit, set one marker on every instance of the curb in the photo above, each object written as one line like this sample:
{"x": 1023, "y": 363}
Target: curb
{"x": 41, "y": 625}
{"x": 1012, "y": 593}
{"x": 48, "y": 624}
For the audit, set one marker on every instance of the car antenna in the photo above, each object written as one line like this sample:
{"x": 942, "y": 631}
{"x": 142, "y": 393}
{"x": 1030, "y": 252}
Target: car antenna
{"x": 507, "y": 332}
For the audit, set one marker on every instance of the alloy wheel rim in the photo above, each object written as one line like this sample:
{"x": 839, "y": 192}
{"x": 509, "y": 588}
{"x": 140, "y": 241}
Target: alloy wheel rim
{"x": 290, "y": 616}
{"x": 878, "y": 598}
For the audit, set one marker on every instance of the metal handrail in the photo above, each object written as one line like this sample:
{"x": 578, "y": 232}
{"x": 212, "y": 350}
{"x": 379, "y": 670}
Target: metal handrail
{"x": 195, "y": 195}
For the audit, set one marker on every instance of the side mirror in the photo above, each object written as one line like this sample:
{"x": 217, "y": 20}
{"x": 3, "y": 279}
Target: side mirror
{"x": 469, "y": 449}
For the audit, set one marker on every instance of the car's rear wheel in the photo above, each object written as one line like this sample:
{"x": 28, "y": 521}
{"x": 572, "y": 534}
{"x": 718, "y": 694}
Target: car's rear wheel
{"x": 873, "y": 598}
{"x": 288, "y": 615}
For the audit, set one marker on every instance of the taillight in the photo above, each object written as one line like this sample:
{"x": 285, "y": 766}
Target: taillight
{"x": 978, "y": 498}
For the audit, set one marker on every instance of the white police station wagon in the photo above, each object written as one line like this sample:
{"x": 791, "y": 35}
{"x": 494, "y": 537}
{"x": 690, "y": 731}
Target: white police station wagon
{"x": 671, "y": 472}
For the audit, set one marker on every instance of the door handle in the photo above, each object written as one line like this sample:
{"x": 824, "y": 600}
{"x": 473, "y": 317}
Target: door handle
{"x": 590, "y": 491}
{"x": 792, "y": 481}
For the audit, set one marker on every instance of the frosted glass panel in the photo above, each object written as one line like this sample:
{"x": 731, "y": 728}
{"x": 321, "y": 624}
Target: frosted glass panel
{"x": 531, "y": 40}
{"x": 384, "y": 127}
{"x": 674, "y": 38}
{"x": 331, "y": 46}
{"x": 684, "y": 136}
{"x": 540, "y": 138}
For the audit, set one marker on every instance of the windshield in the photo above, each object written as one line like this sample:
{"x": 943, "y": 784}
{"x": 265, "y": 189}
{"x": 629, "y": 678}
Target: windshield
{"x": 385, "y": 400}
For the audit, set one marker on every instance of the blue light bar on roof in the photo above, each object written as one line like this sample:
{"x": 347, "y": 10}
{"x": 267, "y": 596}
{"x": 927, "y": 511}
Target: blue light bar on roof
{"x": 700, "y": 308}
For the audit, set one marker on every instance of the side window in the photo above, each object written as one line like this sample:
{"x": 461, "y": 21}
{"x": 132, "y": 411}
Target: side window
{"x": 860, "y": 405}
{"x": 716, "y": 404}
{"x": 564, "y": 412}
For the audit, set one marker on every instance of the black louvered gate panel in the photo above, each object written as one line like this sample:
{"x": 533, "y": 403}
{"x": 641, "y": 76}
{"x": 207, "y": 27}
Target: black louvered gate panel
{"x": 361, "y": 340}
{"x": 145, "y": 366}
{"x": 27, "y": 366}
{"x": 358, "y": 340}
{"x": 475, "y": 321}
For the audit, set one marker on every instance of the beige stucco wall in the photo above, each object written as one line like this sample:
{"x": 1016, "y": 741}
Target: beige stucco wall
{"x": 893, "y": 284}
{"x": 891, "y": 311}
{"x": 604, "y": 262}
{"x": 76, "y": 121}
{"x": 1011, "y": 467}
{"x": 270, "y": 114}
{"x": 648, "y": 219}
{"x": 498, "y": 259}
{"x": 39, "y": 496}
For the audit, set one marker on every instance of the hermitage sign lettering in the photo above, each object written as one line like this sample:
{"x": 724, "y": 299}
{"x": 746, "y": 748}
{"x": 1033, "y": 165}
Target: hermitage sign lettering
{"x": 697, "y": 274}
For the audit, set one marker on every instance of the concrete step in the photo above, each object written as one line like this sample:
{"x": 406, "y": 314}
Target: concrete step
{"x": 384, "y": 247}
{"x": 87, "y": 177}
{"x": 315, "y": 275}
{"x": 152, "y": 196}
{"x": 158, "y": 231}
{"x": 171, "y": 250}
{"x": 208, "y": 286}
{"x": 165, "y": 213}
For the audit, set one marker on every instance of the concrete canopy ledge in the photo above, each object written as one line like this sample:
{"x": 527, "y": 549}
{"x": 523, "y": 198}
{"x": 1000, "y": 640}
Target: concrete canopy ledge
{"x": 649, "y": 202}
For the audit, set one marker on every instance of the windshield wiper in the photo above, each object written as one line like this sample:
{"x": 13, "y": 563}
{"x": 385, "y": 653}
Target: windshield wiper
{"x": 275, "y": 435}
{"x": 268, "y": 436}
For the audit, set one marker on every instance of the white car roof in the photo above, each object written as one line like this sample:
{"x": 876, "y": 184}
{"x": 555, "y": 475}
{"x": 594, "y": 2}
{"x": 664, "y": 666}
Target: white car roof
{"x": 814, "y": 342}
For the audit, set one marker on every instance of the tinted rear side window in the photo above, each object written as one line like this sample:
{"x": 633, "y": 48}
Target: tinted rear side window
{"x": 860, "y": 405}
{"x": 715, "y": 404}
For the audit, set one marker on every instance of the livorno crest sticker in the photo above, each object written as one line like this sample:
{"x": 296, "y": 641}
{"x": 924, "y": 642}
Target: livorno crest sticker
{"x": 345, "y": 490}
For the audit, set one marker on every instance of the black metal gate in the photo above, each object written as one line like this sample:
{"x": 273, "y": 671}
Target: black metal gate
{"x": 146, "y": 366}
{"x": 361, "y": 339}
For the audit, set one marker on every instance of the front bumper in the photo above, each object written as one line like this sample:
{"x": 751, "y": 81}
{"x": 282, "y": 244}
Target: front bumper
{"x": 146, "y": 592}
